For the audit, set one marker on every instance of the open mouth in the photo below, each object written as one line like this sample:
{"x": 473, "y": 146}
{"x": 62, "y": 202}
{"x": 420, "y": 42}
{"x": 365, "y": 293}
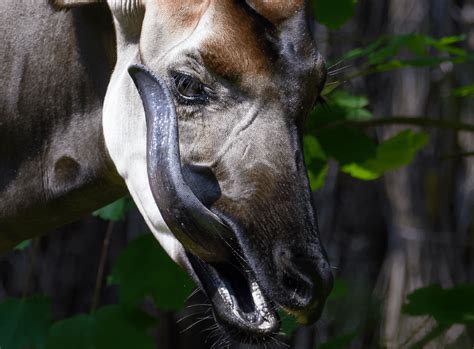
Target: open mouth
{"x": 239, "y": 304}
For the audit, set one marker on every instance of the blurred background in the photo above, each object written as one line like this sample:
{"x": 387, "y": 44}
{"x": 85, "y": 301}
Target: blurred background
{"x": 390, "y": 156}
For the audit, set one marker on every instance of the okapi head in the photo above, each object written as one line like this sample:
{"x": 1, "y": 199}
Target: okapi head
{"x": 228, "y": 195}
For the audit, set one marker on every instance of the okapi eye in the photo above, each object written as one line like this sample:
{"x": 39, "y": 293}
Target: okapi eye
{"x": 189, "y": 90}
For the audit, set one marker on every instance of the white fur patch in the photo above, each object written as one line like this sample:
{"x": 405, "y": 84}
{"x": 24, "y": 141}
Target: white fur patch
{"x": 124, "y": 121}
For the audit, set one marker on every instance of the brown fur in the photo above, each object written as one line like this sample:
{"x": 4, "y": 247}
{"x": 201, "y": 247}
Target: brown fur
{"x": 185, "y": 13}
{"x": 277, "y": 10}
{"x": 238, "y": 48}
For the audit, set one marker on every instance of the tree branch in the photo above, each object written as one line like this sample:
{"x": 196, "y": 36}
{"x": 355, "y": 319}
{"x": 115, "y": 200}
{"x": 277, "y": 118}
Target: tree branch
{"x": 102, "y": 264}
{"x": 415, "y": 121}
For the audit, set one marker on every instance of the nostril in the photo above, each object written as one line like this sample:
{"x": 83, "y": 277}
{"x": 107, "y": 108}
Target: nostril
{"x": 290, "y": 283}
{"x": 298, "y": 290}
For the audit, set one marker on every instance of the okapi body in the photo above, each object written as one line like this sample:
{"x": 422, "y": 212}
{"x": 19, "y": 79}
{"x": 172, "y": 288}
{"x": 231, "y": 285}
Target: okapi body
{"x": 196, "y": 109}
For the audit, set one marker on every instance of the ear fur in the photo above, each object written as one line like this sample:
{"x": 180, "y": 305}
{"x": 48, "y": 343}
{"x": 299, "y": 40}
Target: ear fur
{"x": 277, "y": 10}
{"x": 62, "y": 4}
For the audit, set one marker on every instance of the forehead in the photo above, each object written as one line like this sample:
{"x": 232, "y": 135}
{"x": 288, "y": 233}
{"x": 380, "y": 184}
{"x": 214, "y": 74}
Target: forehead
{"x": 240, "y": 43}
{"x": 236, "y": 38}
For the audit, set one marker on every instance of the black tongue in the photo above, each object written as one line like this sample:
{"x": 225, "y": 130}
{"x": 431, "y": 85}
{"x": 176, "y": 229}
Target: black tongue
{"x": 203, "y": 183}
{"x": 194, "y": 225}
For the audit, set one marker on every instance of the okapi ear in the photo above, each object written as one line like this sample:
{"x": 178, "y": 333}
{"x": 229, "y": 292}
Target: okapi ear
{"x": 73, "y": 3}
{"x": 277, "y": 10}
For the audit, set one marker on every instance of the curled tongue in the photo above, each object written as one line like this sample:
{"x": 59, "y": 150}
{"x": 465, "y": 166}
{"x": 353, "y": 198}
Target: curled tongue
{"x": 200, "y": 231}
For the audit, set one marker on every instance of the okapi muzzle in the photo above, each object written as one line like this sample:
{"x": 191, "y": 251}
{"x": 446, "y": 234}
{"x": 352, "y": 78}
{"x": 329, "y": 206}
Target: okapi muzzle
{"x": 250, "y": 254}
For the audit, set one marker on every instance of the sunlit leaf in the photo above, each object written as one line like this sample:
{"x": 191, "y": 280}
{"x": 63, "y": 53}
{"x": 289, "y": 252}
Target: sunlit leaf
{"x": 109, "y": 327}
{"x": 115, "y": 211}
{"x": 341, "y": 105}
{"x": 317, "y": 173}
{"x": 23, "y": 245}
{"x": 312, "y": 148}
{"x": 316, "y": 162}
{"x": 363, "y": 51}
{"x": 464, "y": 91}
{"x": 360, "y": 172}
{"x": 144, "y": 269}
{"x": 24, "y": 323}
{"x": 410, "y": 50}
{"x": 448, "y": 306}
{"x": 353, "y": 105}
{"x": 394, "y": 153}
{"x": 359, "y": 114}
{"x": 333, "y": 13}
{"x": 348, "y": 101}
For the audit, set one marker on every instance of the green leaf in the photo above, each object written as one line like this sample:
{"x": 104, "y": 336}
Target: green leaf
{"x": 340, "y": 290}
{"x": 74, "y": 333}
{"x": 464, "y": 91}
{"x": 144, "y": 269}
{"x": 288, "y": 323}
{"x": 353, "y": 105}
{"x": 342, "y": 105}
{"x": 109, "y": 327}
{"x": 392, "y": 154}
{"x": 348, "y": 101}
{"x": 333, "y": 13}
{"x": 316, "y": 162}
{"x": 312, "y": 148}
{"x": 448, "y": 306}
{"x": 411, "y": 50}
{"x": 346, "y": 144}
{"x": 360, "y": 172}
{"x": 24, "y": 323}
{"x": 340, "y": 342}
{"x": 317, "y": 173}
{"x": 23, "y": 245}
{"x": 363, "y": 51}
{"x": 115, "y": 211}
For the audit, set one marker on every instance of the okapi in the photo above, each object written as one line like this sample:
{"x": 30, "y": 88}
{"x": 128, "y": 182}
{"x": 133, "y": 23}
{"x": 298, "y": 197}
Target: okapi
{"x": 93, "y": 97}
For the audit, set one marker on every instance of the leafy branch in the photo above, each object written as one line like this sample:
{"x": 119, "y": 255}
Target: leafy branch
{"x": 405, "y": 120}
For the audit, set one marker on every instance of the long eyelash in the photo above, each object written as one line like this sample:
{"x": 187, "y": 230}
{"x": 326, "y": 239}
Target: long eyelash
{"x": 185, "y": 81}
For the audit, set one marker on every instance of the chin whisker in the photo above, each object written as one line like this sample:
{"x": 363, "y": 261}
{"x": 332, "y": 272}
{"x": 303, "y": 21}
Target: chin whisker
{"x": 195, "y": 292}
{"x": 334, "y": 72}
{"x": 199, "y": 305}
{"x": 195, "y": 323}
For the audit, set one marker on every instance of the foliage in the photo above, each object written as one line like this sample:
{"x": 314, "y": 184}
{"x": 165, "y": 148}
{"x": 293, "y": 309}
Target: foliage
{"x": 340, "y": 290}
{"x": 447, "y": 306}
{"x": 117, "y": 210}
{"x": 24, "y": 323}
{"x": 23, "y": 245}
{"x": 333, "y": 14}
{"x": 144, "y": 269}
{"x": 334, "y": 130}
{"x": 464, "y": 91}
{"x": 109, "y": 327}
{"x": 332, "y": 135}
{"x": 402, "y": 51}
{"x": 389, "y": 155}
{"x": 288, "y": 323}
